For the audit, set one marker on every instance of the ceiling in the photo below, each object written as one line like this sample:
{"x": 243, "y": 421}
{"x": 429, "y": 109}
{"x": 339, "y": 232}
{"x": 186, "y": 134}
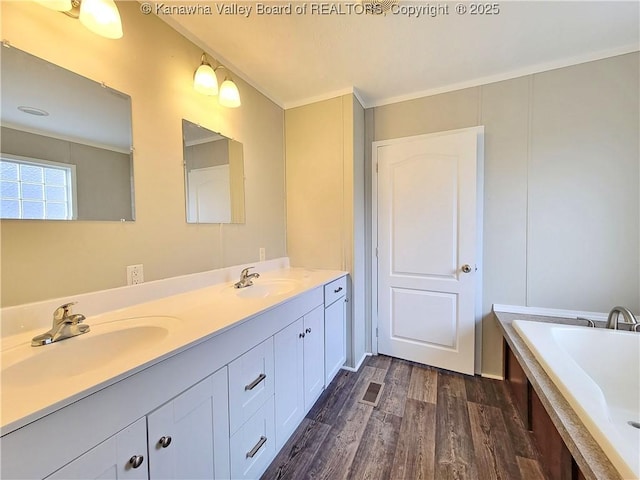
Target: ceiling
{"x": 299, "y": 58}
{"x": 78, "y": 109}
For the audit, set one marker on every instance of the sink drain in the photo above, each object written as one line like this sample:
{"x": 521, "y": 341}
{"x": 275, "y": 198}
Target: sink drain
{"x": 634, "y": 424}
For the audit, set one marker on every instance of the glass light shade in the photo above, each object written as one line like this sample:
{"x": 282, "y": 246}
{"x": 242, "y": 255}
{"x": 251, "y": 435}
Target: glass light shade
{"x": 205, "y": 80}
{"x": 229, "y": 94}
{"x": 58, "y": 5}
{"x": 101, "y": 17}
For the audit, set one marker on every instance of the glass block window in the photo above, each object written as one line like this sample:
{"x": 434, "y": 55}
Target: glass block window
{"x": 36, "y": 189}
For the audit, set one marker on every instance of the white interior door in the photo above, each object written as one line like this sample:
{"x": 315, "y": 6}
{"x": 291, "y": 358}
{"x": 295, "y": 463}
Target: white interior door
{"x": 209, "y": 195}
{"x": 427, "y": 234}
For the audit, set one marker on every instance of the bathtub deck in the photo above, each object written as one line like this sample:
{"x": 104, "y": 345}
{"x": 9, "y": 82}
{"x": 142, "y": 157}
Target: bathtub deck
{"x": 429, "y": 423}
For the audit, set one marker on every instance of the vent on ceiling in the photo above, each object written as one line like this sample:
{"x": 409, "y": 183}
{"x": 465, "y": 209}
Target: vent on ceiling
{"x": 378, "y": 7}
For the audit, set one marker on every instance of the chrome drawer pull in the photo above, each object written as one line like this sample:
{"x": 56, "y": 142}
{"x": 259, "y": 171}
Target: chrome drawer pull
{"x": 253, "y": 384}
{"x": 339, "y": 289}
{"x": 258, "y": 446}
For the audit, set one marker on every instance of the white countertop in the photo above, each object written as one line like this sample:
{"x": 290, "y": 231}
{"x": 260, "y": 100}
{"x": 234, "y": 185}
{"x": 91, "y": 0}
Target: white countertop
{"x": 189, "y": 318}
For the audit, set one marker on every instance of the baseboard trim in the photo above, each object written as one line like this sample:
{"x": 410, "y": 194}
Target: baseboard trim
{"x": 357, "y": 367}
{"x": 492, "y": 376}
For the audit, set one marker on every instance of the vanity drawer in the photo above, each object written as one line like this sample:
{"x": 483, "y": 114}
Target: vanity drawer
{"x": 335, "y": 290}
{"x": 250, "y": 383}
{"x": 254, "y": 445}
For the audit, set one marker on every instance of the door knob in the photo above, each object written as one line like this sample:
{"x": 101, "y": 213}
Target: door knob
{"x": 466, "y": 268}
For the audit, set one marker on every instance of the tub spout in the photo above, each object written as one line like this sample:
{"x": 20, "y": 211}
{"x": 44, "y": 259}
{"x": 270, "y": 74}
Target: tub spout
{"x": 629, "y": 317}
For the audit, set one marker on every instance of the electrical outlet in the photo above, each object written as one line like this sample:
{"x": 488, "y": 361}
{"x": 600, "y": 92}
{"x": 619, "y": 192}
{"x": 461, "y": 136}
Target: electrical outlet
{"x": 135, "y": 274}
{"x": 262, "y": 254}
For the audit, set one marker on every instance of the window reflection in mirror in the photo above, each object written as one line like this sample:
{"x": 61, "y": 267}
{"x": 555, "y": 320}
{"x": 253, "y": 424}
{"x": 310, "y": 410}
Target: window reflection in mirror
{"x": 214, "y": 176}
{"x": 65, "y": 151}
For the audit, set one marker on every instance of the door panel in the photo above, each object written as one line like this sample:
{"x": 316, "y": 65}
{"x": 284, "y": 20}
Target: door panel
{"x": 427, "y": 200}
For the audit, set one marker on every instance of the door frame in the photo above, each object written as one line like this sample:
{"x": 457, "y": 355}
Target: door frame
{"x": 479, "y": 229}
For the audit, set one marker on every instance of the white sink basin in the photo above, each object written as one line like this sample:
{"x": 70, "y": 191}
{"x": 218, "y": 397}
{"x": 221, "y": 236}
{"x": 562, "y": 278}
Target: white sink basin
{"x": 267, "y": 288}
{"x": 24, "y": 365}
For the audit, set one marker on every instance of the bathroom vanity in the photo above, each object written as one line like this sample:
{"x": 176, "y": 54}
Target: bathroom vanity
{"x": 216, "y": 397}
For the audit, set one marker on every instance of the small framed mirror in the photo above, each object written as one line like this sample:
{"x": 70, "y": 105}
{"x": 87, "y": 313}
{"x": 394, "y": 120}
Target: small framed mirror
{"x": 214, "y": 176}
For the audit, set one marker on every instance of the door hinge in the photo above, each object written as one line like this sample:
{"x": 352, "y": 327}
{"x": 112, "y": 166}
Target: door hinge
{"x": 376, "y": 168}
{"x": 376, "y": 332}
{"x": 376, "y": 252}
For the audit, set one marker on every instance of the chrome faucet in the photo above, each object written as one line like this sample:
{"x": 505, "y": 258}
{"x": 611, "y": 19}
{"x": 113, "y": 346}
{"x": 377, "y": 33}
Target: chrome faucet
{"x": 614, "y": 314}
{"x": 65, "y": 325}
{"x": 246, "y": 279}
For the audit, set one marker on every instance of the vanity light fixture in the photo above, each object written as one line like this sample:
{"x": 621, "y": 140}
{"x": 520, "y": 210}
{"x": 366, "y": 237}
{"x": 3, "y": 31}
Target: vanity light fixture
{"x": 205, "y": 81}
{"x": 204, "y": 78}
{"x": 99, "y": 16}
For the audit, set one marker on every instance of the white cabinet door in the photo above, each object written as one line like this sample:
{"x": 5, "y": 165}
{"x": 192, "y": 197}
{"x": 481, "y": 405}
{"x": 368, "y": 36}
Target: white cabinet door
{"x": 334, "y": 338}
{"x": 289, "y": 384}
{"x": 123, "y": 456}
{"x": 189, "y": 436}
{"x": 313, "y": 356}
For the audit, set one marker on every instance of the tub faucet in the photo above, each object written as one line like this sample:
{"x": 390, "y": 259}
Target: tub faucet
{"x": 629, "y": 317}
{"x": 65, "y": 325}
{"x": 246, "y": 279}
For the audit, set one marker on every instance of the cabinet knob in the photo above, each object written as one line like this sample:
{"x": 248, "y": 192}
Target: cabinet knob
{"x": 308, "y": 330}
{"x": 164, "y": 442}
{"x": 136, "y": 461}
{"x": 301, "y": 335}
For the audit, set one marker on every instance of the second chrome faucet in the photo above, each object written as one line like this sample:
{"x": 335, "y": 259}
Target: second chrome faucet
{"x": 246, "y": 279}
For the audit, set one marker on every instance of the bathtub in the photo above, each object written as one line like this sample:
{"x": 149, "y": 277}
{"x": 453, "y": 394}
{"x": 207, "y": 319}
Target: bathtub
{"x": 598, "y": 372}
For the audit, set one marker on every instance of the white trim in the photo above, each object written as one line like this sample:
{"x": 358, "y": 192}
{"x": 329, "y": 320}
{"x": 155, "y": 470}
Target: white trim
{"x": 479, "y": 219}
{"x": 359, "y": 364}
{"x": 549, "y": 312}
{"x": 492, "y": 376}
{"x": 325, "y": 96}
{"x": 521, "y": 72}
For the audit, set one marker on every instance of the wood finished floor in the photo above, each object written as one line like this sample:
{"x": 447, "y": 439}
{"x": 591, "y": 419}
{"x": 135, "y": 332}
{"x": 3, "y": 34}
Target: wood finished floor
{"x": 428, "y": 424}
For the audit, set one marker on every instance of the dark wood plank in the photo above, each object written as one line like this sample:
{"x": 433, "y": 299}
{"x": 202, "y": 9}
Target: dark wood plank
{"x": 379, "y": 361}
{"x": 374, "y": 457}
{"x": 296, "y": 455}
{"x": 332, "y": 400}
{"x": 455, "y": 459}
{"x": 334, "y": 459}
{"x": 494, "y": 456}
{"x": 423, "y": 385}
{"x": 481, "y": 390}
{"x": 530, "y": 469}
{"x": 396, "y": 385}
{"x": 518, "y": 383}
{"x": 521, "y": 438}
{"x": 415, "y": 452}
{"x": 554, "y": 455}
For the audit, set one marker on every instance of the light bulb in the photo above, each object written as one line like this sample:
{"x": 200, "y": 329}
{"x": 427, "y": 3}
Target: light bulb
{"x": 229, "y": 94}
{"x": 205, "y": 80}
{"x": 101, "y": 17}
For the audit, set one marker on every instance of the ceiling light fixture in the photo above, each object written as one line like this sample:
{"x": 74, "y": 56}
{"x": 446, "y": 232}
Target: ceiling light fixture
{"x": 205, "y": 81}
{"x": 99, "y": 16}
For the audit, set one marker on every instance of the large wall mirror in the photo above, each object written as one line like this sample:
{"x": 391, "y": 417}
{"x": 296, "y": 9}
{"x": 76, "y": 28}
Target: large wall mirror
{"x": 214, "y": 176}
{"x": 65, "y": 144}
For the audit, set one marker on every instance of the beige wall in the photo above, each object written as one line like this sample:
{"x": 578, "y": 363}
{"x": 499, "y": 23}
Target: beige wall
{"x": 325, "y": 198}
{"x": 154, "y": 65}
{"x": 103, "y": 177}
{"x": 561, "y": 205}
